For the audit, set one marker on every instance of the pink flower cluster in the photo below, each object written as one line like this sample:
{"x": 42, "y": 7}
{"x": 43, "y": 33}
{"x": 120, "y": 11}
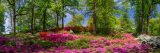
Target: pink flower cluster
{"x": 64, "y": 49}
{"x": 126, "y": 44}
{"x": 3, "y": 40}
{"x": 133, "y": 48}
{"x": 127, "y": 38}
{"x": 20, "y": 48}
{"x": 59, "y": 37}
{"x": 101, "y": 42}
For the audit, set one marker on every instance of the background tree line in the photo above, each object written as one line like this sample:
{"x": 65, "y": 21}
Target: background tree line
{"x": 105, "y": 16}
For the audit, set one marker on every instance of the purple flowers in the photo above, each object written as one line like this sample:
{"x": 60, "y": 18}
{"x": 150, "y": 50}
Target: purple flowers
{"x": 101, "y": 42}
{"x": 126, "y": 44}
{"x": 59, "y": 37}
{"x": 22, "y": 48}
{"x": 135, "y": 48}
{"x": 3, "y": 40}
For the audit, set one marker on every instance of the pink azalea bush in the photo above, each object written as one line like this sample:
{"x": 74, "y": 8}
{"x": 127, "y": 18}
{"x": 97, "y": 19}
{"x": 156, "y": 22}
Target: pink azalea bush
{"x": 59, "y": 37}
{"x": 20, "y": 48}
{"x": 17, "y": 48}
{"x": 126, "y": 44}
{"x": 3, "y": 40}
{"x": 64, "y": 49}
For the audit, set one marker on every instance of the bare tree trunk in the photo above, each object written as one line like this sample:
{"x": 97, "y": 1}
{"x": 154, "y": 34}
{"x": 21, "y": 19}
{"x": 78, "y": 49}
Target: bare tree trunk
{"x": 57, "y": 20}
{"x": 94, "y": 17}
{"x": 142, "y": 17}
{"x": 44, "y": 19}
{"x": 62, "y": 22}
{"x": 149, "y": 13}
{"x": 32, "y": 21}
{"x": 62, "y": 14}
{"x": 11, "y": 20}
{"x": 14, "y": 17}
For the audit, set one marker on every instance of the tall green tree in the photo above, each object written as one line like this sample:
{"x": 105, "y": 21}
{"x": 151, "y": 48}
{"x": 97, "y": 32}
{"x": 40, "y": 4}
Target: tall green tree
{"x": 1, "y": 18}
{"x": 16, "y": 7}
{"x": 144, "y": 10}
{"x": 92, "y": 4}
{"x": 126, "y": 23}
{"x": 12, "y": 4}
{"x": 103, "y": 15}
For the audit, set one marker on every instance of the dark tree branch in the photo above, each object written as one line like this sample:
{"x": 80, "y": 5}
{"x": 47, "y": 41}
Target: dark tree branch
{"x": 21, "y": 14}
{"x": 10, "y": 2}
{"x": 158, "y": 2}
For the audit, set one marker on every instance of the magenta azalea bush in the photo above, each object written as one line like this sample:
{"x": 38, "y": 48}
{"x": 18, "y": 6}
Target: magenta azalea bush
{"x": 20, "y": 48}
{"x": 17, "y": 48}
{"x": 59, "y": 37}
{"x": 127, "y": 44}
{"x": 3, "y": 40}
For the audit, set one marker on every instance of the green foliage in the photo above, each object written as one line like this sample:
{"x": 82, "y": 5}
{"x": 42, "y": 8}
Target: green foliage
{"x": 28, "y": 39}
{"x": 106, "y": 21}
{"x": 126, "y": 24}
{"x": 107, "y": 25}
{"x": 43, "y": 43}
{"x": 77, "y": 20}
{"x": 144, "y": 10}
{"x": 11, "y": 43}
{"x": 21, "y": 36}
{"x": 79, "y": 44}
{"x": 114, "y": 36}
{"x": 155, "y": 26}
{"x": 104, "y": 10}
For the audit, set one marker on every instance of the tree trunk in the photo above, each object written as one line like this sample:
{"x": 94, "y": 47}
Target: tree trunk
{"x": 94, "y": 17}
{"x": 32, "y": 21}
{"x": 147, "y": 30}
{"x": 62, "y": 14}
{"x": 14, "y": 17}
{"x": 149, "y": 13}
{"x": 62, "y": 22}
{"x": 11, "y": 20}
{"x": 44, "y": 19}
{"x": 142, "y": 17}
{"x": 57, "y": 20}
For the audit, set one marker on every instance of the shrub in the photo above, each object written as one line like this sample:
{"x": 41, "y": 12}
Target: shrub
{"x": 80, "y": 43}
{"x": 45, "y": 44}
{"x": 3, "y": 40}
{"x": 22, "y": 36}
{"x": 42, "y": 34}
{"x": 133, "y": 48}
{"x": 61, "y": 38}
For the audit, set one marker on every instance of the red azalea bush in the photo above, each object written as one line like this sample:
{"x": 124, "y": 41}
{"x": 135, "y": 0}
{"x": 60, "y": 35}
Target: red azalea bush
{"x": 43, "y": 34}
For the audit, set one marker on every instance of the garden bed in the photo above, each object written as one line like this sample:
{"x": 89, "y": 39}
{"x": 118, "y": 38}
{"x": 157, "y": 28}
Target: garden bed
{"x": 71, "y": 43}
